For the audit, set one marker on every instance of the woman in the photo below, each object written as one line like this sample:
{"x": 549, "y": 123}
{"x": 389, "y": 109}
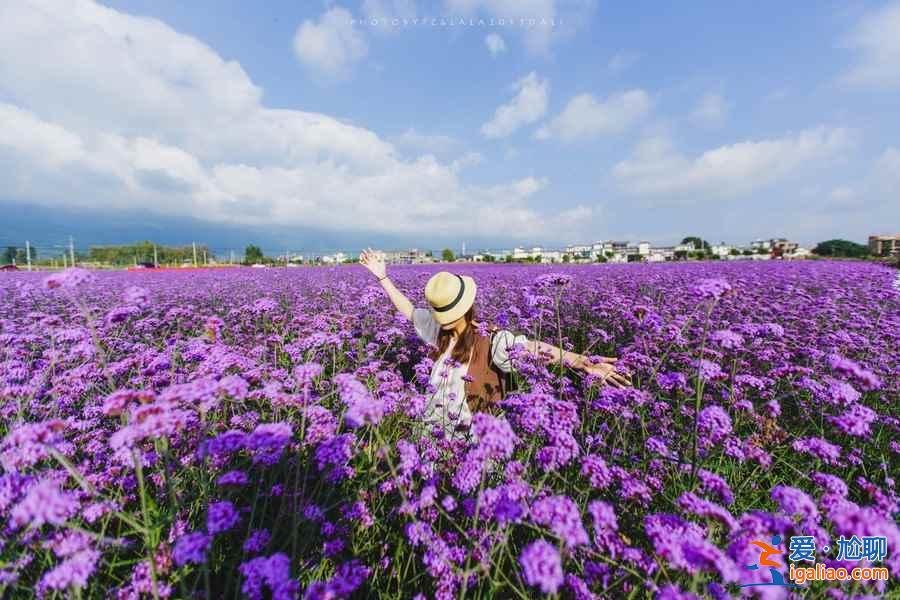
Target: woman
{"x": 468, "y": 374}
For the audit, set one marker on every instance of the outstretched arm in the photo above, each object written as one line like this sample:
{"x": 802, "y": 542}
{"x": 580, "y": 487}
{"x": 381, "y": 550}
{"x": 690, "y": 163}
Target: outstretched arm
{"x": 605, "y": 369}
{"x": 374, "y": 262}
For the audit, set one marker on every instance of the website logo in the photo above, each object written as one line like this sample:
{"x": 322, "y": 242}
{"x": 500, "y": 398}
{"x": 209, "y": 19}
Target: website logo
{"x": 766, "y": 552}
{"x": 871, "y": 549}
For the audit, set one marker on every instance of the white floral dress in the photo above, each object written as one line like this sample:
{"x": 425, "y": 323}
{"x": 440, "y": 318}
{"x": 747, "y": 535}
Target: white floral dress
{"x": 446, "y": 405}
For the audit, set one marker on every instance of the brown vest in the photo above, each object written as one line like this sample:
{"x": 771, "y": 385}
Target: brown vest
{"x": 489, "y": 383}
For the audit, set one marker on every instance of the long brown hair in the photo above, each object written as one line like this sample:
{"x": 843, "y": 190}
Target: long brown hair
{"x": 463, "y": 345}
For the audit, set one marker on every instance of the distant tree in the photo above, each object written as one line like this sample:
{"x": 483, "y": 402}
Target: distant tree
{"x": 508, "y": 258}
{"x": 762, "y": 250}
{"x": 734, "y": 252}
{"x": 447, "y": 255}
{"x": 566, "y": 258}
{"x": 748, "y": 252}
{"x": 253, "y": 255}
{"x": 610, "y": 254}
{"x": 489, "y": 258}
{"x": 842, "y": 248}
{"x": 699, "y": 244}
{"x": 681, "y": 255}
{"x": 9, "y": 255}
{"x": 429, "y": 253}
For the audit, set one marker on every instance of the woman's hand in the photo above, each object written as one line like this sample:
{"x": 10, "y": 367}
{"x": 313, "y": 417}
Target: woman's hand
{"x": 605, "y": 370}
{"x": 373, "y": 260}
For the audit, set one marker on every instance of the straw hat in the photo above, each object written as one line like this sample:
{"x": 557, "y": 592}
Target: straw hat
{"x": 450, "y": 295}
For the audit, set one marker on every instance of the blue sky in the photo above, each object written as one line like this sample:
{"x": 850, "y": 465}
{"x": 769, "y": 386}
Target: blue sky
{"x": 324, "y": 124}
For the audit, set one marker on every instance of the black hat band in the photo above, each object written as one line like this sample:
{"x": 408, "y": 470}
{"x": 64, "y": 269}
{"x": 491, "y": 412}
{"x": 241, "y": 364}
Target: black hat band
{"x": 462, "y": 288}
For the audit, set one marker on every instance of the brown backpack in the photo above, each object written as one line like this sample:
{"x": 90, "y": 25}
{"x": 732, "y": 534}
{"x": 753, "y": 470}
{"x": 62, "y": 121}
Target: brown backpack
{"x": 489, "y": 383}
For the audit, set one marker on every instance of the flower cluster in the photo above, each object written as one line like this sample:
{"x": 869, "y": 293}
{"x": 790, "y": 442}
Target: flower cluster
{"x": 257, "y": 433}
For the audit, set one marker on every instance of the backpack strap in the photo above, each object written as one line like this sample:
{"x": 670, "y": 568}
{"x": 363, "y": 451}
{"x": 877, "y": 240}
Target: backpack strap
{"x": 505, "y": 378}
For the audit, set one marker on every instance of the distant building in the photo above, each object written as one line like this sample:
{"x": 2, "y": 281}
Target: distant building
{"x": 406, "y": 257}
{"x": 580, "y": 252}
{"x": 799, "y": 253}
{"x": 884, "y": 245}
{"x": 662, "y": 254}
{"x": 550, "y": 256}
{"x": 337, "y": 257}
{"x": 519, "y": 253}
{"x": 782, "y": 246}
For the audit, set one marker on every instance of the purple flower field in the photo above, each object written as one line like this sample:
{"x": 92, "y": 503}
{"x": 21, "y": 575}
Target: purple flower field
{"x": 251, "y": 433}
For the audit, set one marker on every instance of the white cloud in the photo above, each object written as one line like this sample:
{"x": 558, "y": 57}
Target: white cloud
{"x": 331, "y": 46}
{"x": 622, "y": 61}
{"x": 528, "y": 105}
{"x": 874, "y": 191}
{"x": 104, "y": 110}
{"x": 656, "y": 168}
{"x": 585, "y": 117}
{"x": 843, "y": 197}
{"x": 469, "y": 159}
{"x": 884, "y": 181}
{"x": 876, "y": 38}
{"x": 889, "y": 162}
{"x": 495, "y": 44}
{"x": 843, "y": 193}
{"x": 45, "y": 143}
{"x": 417, "y": 141}
{"x": 711, "y": 111}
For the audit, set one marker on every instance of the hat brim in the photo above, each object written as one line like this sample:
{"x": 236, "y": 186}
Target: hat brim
{"x": 465, "y": 303}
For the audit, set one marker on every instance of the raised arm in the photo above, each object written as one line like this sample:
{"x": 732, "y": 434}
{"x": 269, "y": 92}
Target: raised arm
{"x": 374, "y": 262}
{"x": 605, "y": 370}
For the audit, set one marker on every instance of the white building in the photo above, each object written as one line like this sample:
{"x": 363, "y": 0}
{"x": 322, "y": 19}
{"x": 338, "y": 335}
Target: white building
{"x": 799, "y": 253}
{"x": 406, "y": 257}
{"x": 519, "y": 253}
{"x": 551, "y": 256}
{"x": 661, "y": 254}
{"x": 337, "y": 257}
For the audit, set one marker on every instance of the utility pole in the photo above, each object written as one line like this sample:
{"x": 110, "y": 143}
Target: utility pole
{"x": 205, "y": 258}
{"x": 28, "y": 253}
{"x": 231, "y": 262}
{"x": 71, "y": 251}
{"x": 155, "y": 257}
{"x": 194, "y": 244}
{"x": 65, "y": 264}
